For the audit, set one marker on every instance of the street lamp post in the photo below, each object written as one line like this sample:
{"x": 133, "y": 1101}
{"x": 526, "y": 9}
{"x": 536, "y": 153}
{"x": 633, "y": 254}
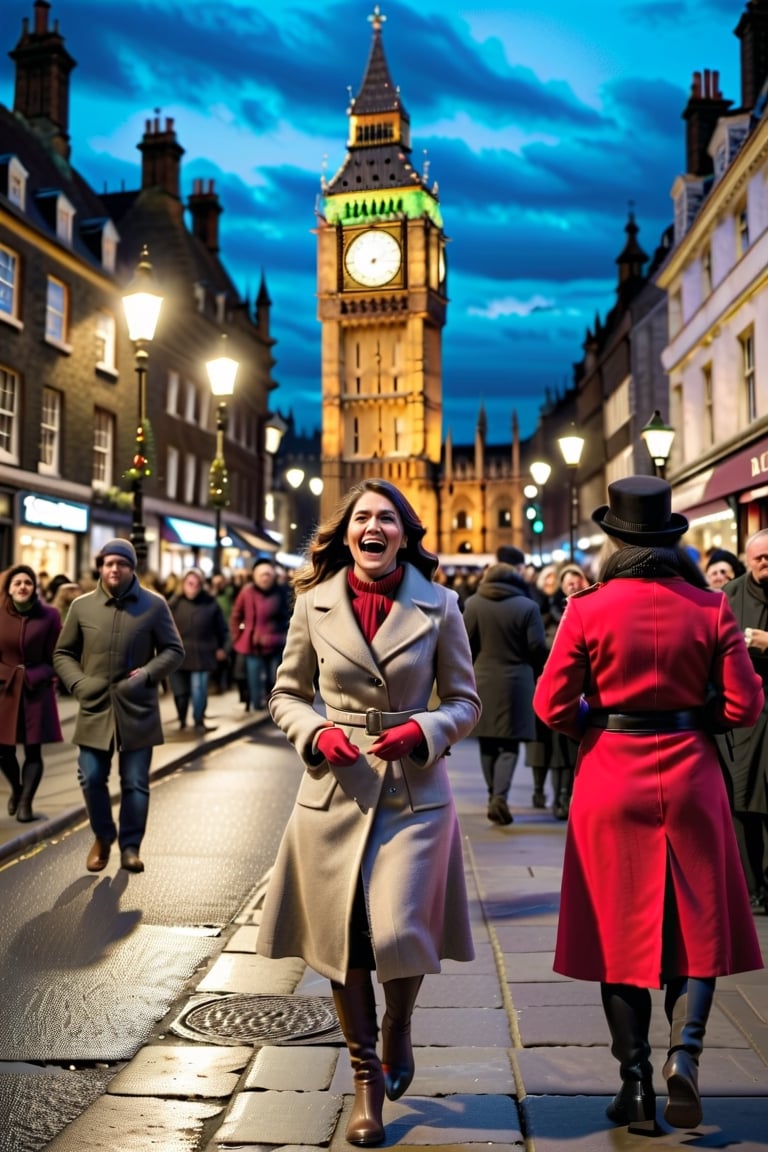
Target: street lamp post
{"x": 221, "y": 373}
{"x": 658, "y": 438}
{"x": 571, "y": 447}
{"x": 142, "y": 303}
{"x": 540, "y": 471}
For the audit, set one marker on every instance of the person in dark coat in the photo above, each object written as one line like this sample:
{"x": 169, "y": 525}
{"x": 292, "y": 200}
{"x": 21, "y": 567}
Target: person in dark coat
{"x": 369, "y": 874}
{"x": 721, "y": 567}
{"x": 745, "y": 751}
{"x": 645, "y": 665}
{"x": 204, "y": 633}
{"x": 506, "y": 636}
{"x": 118, "y": 643}
{"x": 29, "y": 629}
{"x": 259, "y": 625}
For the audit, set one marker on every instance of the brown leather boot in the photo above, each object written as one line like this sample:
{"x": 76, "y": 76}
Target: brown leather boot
{"x": 356, "y": 1009}
{"x": 397, "y": 1053}
{"x": 98, "y": 857}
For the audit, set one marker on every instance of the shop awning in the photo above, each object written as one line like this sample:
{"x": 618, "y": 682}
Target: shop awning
{"x": 250, "y": 541}
{"x": 190, "y": 533}
{"x": 745, "y": 469}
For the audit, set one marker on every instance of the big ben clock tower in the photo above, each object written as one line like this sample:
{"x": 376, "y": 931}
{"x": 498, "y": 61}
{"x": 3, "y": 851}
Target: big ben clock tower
{"x": 382, "y": 303}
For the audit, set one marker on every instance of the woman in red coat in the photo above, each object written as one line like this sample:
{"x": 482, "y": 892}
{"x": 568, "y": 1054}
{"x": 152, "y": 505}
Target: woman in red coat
{"x": 29, "y": 630}
{"x": 643, "y": 667}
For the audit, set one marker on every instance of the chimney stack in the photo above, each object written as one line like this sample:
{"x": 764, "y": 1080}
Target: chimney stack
{"x": 752, "y": 31}
{"x": 205, "y": 210}
{"x": 161, "y": 156}
{"x": 705, "y": 106}
{"x": 41, "y": 94}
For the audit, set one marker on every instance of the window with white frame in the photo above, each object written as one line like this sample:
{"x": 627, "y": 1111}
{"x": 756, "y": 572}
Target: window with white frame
{"x": 742, "y": 230}
{"x": 65, "y": 215}
{"x": 56, "y": 307}
{"x": 706, "y": 271}
{"x": 190, "y": 405}
{"x": 9, "y": 283}
{"x": 708, "y": 399}
{"x": 399, "y": 437}
{"x": 190, "y": 477}
{"x": 50, "y": 432}
{"x": 749, "y": 383}
{"x": 172, "y": 394}
{"x": 105, "y": 341}
{"x": 109, "y": 239}
{"x": 103, "y": 448}
{"x": 171, "y": 472}
{"x": 9, "y": 416}
{"x": 617, "y": 408}
{"x": 17, "y": 183}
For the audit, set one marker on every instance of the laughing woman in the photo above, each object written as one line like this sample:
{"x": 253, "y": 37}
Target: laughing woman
{"x": 369, "y": 874}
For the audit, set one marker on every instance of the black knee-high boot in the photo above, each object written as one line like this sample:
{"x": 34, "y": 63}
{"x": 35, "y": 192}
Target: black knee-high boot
{"x": 31, "y": 775}
{"x": 628, "y": 1012}
{"x": 397, "y": 1052}
{"x": 356, "y": 1009}
{"x": 687, "y": 1003}
{"x": 9, "y": 766}
{"x": 539, "y": 778}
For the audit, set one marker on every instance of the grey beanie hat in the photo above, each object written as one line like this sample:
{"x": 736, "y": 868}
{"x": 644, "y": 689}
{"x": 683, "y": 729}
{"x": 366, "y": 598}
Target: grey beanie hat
{"x": 117, "y": 547}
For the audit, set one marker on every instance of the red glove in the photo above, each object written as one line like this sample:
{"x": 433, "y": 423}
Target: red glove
{"x": 336, "y": 748}
{"x": 394, "y": 743}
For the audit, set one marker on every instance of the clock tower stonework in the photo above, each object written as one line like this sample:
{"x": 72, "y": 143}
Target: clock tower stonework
{"x": 382, "y": 297}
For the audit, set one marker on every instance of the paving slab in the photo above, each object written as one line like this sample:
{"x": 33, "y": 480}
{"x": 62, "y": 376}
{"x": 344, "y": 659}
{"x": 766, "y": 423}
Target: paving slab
{"x": 183, "y": 1070}
{"x": 531, "y": 966}
{"x": 470, "y": 989}
{"x": 446, "y": 1072}
{"x": 579, "y": 1124}
{"x": 456, "y": 1027}
{"x": 280, "y": 1118}
{"x": 259, "y": 975}
{"x": 243, "y": 940}
{"x": 517, "y": 937}
{"x": 539, "y": 994}
{"x": 448, "y": 1120}
{"x": 484, "y": 961}
{"x": 134, "y": 1124}
{"x": 301, "y": 1068}
{"x": 585, "y": 1025}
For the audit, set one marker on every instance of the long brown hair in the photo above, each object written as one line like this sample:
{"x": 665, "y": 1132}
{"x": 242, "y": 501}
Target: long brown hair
{"x": 328, "y": 553}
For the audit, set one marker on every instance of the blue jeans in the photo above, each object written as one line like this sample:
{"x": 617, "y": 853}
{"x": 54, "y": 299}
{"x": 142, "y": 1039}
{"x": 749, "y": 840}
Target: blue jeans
{"x": 194, "y": 685}
{"x": 261, "y": 672}
{"x": 93, "y": 765}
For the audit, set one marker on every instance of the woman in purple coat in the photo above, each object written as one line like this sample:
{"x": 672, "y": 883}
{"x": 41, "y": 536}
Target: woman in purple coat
{"x": 29, "y": 630}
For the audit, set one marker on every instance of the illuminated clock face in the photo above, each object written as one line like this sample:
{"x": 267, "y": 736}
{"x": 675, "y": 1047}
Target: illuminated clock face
{"x": 373, "y": 258}
{"x": 441, "y": 269}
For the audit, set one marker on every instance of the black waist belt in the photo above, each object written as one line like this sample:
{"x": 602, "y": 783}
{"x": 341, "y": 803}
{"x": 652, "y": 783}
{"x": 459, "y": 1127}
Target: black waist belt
{"x": 681, "y": 721}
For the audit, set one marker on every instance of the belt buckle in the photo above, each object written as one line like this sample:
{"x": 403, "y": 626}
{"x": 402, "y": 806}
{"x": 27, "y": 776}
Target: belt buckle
{"x": 373, "y": 724}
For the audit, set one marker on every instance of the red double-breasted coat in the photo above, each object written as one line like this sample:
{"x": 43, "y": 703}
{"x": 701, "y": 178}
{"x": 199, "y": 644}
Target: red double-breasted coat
{"x": 652, "y": 883}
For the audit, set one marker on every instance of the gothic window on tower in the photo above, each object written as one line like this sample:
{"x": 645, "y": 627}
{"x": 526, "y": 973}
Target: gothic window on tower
{"x": 355, "y": 436}
{"x": 400, "y": 443}
{"x": 505, "y": 518}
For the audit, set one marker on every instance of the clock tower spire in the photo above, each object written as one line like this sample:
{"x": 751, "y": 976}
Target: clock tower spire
{"x": 382, "y": 298}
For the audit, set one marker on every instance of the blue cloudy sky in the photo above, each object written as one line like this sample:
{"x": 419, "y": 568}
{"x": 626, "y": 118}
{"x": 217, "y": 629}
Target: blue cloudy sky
{"x": 540, "y": 122}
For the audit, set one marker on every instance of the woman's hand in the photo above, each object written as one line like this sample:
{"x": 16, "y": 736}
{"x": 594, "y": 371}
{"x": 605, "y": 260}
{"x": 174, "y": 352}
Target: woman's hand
{"x": 334, "y": 745}
{"x": 394, "y": 743}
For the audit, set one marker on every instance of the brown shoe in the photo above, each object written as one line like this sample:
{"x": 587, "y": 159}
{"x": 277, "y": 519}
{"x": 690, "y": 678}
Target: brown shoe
{"x": 129, "y": 859}
{"x": 98, "y": 857}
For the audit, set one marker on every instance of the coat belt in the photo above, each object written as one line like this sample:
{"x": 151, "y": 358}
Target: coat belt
{"x": 373, "y": 720}
{"x": 683, "y": 720}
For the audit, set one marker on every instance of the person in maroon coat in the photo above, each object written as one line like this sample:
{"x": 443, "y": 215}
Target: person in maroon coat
{"x": 259, "y": 626}
{"x": 29, "y": 630}
{"x": 644, "y": 666}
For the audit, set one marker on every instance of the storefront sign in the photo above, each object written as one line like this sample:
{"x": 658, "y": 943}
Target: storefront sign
{"x": 759, "y": 464}
{"x": 192, "y": 534}
{"x": 44, "y": 512}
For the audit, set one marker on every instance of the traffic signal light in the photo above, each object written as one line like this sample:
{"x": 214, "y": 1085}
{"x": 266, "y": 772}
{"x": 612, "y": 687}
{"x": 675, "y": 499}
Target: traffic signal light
{"x": 534, "y": 517}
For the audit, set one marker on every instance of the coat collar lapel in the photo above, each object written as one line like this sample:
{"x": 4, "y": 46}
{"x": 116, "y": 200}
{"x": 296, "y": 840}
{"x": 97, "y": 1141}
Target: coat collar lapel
{"x": 337, "y": 624}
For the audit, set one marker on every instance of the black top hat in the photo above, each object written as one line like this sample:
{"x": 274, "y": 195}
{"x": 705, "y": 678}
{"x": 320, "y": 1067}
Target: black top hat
{"x": 640, "y": 512}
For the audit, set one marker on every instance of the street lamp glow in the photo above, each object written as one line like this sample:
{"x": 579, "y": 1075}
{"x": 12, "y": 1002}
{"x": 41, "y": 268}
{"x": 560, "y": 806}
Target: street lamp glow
{"x": 222, "y": 373}
{"x": 142, "y": 302}
{"x": 295, "y": 477}
{"x": 316, "y": 485}
{"x": 571, "y": 447}
{"x": 530, "y": 491}
{"x": 540, "y": 471}
{"x": 658, "y": 438}
{"x": 274, "y": 430}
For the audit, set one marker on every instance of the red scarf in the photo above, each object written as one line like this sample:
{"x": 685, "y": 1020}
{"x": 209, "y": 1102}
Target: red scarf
{"x": 373, "y": 599}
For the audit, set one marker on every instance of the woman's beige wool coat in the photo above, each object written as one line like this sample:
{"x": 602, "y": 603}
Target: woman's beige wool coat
{"x": 396, "y": 823}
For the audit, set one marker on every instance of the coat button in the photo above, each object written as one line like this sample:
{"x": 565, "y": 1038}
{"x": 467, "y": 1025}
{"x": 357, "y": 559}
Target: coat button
{"x": 376, "y": 682}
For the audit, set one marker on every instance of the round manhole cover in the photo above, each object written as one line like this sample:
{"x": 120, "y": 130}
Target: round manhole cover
{"x": 261, "y": 1020}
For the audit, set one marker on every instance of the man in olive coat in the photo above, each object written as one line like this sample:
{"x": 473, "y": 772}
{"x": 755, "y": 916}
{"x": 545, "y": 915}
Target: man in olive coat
{"x": 118, "y": 643}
